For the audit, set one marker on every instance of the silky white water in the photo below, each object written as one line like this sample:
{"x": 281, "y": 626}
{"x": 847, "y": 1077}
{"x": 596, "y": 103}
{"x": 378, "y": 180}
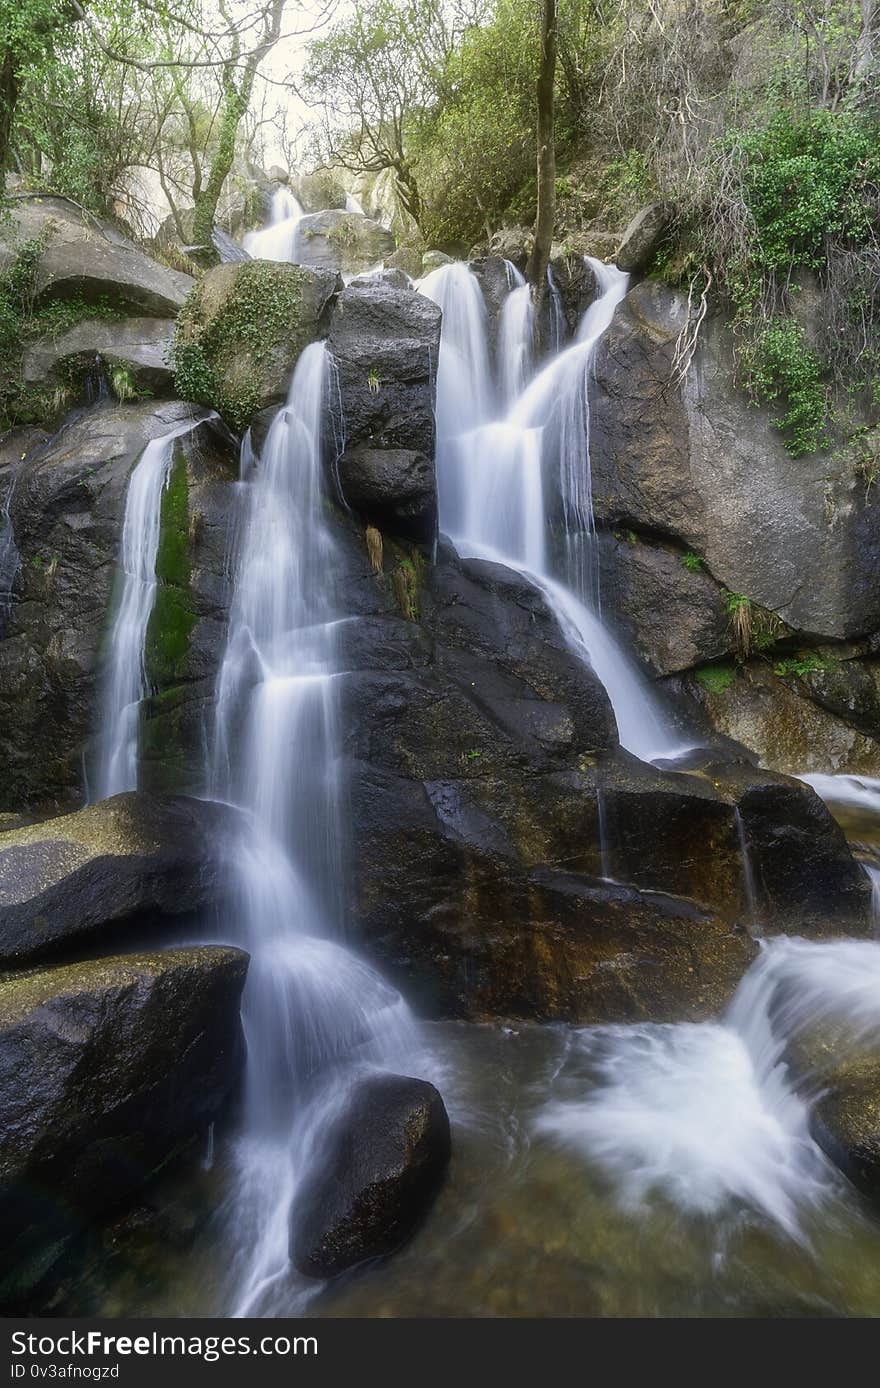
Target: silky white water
{"x": 705, "y": 1115}
{"x": 493, "y": 476}
{"x": 125, "y": 683}
{"x": 9, "y": 557}
{"x": 277, "y": 241}
{"x": 312, "y": 1009}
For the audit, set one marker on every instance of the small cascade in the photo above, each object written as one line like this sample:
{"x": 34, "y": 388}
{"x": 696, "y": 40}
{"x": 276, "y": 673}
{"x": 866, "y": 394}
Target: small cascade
{"x": 277, "y": 241}
{"x": 855, "y": 803}
{"x": 313, "y": 1012}
{"x": 705, "y": 1114}
{"x": 492, "y": 476}
{"x": 353, "y": 204}
{"x": 557, "y": 313}
{"x": 749, "y": 885}
{"x": 126, "y": 680}
{"x": 516, "y": 338}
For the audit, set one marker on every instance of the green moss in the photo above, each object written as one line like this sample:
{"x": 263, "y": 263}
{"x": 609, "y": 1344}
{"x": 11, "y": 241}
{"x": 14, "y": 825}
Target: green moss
{"x": 799, "y": 665}
{"x": 173, "y": 617}
{"x": 220, "y": 359}
{"x": 717, "y": 679}
{"x": 692, "y": 562}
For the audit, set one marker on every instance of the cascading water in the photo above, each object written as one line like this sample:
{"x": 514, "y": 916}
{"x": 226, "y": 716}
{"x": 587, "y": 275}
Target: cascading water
{"x": 491, "y": 479}
{"x": 277, "y": 241}
{"x": 312, "y": 1009}
{"x": 855, "y": 802}
{"x": 516, "y": 331}
{"x": 126, "y": 679}
{"x": 705, "y": 1114}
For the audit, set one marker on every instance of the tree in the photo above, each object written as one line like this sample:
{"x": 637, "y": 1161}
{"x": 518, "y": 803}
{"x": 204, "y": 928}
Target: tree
{"x": 379, "y": 77}
{"x": 545, "y": 102}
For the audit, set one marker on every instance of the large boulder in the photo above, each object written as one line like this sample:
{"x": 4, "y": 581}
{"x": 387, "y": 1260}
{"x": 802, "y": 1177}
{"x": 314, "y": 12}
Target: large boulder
{"x": 378, "y": 1171}
{"x": 664, "y": 603}
{"x": 242, "y": 330}
{"x": 699, "y": 464}
{"x": 66, "y": 511}
{"x": 86, "y": 258}
{"x": 137, "y": 347}
{"x": 787, "y": 723}
{"x": 344, "y": 242}
{"x": 320, "y": 191}
{"x": 395, "y": 488}
{"x": 642, "y": 237}
{"x": 385, "y": 343}
{"x": 109, "y": 1069}
{"x": 133, "y": 861}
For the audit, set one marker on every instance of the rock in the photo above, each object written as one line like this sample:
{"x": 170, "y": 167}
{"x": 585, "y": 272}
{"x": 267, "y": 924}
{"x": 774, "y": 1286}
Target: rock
{"x": 671, "y": 615}
{"x": 642, "y": 237}
{"x": 109, "y": 1069}
{"x": 347, "y": 242}
{"x": 85, "y": 257}
{"x": 496, "y": 282}
{"x": 702, "y": 466}
{"x": 407, "y": 259}
{"x": 277, "y": 174}
{"x": 806, "y": 879}
{"x": 66, "y": 511}
{"x": 385, "y": 343}
{"x": 219, "y": 357}
{"x": 128, "y": 861}
{"x": 513, "y": 244}
{"x": 576, "y": 285}
{"x": 320, "y": 191}
{"x": 139, "y": 347}
{"x": 394, "y": 487}
{"x": 395, "y": 279}
{"x": 432, "y": 260}
{"x": 381, "y": 1167}
{"x": 777, "y": 718}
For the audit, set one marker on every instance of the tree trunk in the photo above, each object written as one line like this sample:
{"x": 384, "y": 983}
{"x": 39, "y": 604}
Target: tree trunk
{"x": 8, "y": 98}
{"x": 540, "y": 257}
{"x": 205, "y": 210}
{"x": 870, "y": 11}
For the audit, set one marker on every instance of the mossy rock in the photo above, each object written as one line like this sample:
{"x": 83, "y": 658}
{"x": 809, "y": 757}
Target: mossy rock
{"x": 241, "y": 331}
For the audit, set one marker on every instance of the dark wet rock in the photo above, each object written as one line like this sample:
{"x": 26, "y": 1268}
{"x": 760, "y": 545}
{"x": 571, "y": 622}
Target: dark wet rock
{"x": 380, "y": 1169}
{"x": 496, "y": 282}
{"x": 395, "y": 279}
{"x": 385, "y": 343}
{"x": 347, "y": 242}
{"x": 134, "y": 860}
{"x": 576, "y": 285}
{"x": 807, "y": 881}
{"x": 139, "y": 346}
{"x": 66, "y": 512}
{"x": 513, "y": 243}
{"x": 642, "y": 237}
{"x": 703, "y": 466}
{"x": 672, "y": 616}
{"x": 395, "y": 488}
{"x": 84, "y": 257}
{"x": 109, "y": 1069}
{"x": 432, "y": 260}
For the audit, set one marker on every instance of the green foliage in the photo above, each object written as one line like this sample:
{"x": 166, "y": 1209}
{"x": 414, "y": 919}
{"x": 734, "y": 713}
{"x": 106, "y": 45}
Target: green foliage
{"x": 801, "y": 665}
{"x": 805, "y": 181}
{"x": 173, "y": 617}
{"x": 779, "y": 366}
{"x": 218, "y": 357}
{"x": 717, "y": 679}
{"x": 692, "y": 562}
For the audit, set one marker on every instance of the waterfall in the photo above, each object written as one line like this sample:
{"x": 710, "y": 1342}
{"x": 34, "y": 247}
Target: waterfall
{"x": 516, "y": 332}
{"x": 557, "y": 315}
{"x": 312, "y": 1009}
{"x": 125, "y": 683}
{"x": 277, "y": 241}
{"x": 492, "y": 476}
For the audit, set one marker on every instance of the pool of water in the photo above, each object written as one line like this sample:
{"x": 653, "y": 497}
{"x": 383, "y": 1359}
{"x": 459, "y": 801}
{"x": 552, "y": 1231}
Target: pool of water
{"x": 568, "y": 1196}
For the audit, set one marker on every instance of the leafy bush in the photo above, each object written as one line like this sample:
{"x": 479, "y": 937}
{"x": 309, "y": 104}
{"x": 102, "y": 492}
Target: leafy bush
{"x": 781, "y": 366}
